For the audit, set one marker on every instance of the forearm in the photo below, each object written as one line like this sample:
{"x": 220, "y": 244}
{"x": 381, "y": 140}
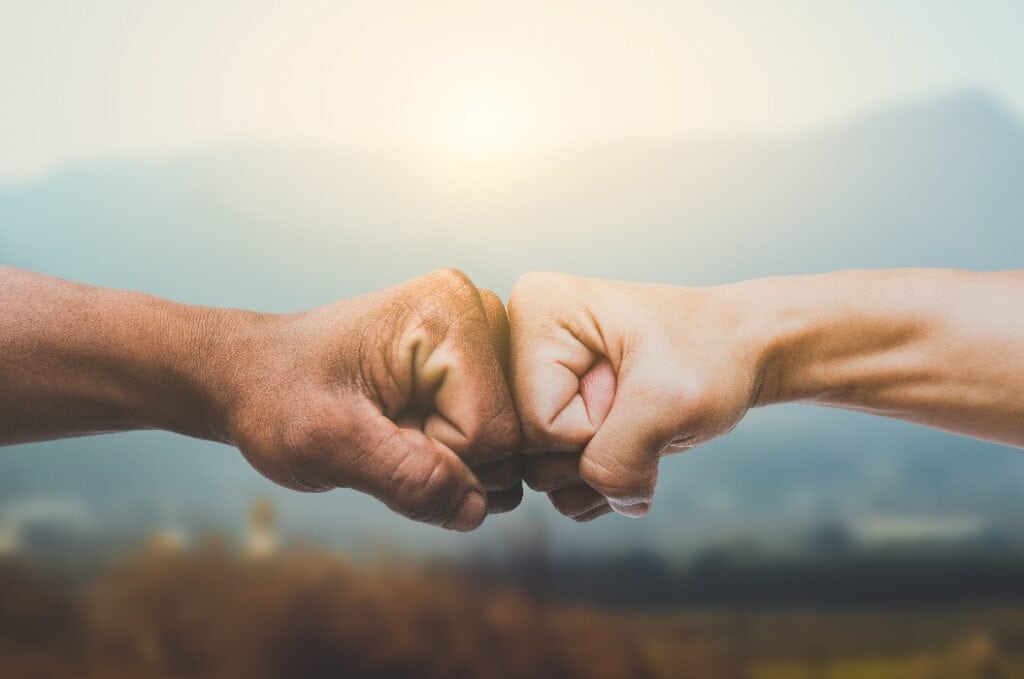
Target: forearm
{"x": 938, "y": 347}
{"x": 76, "y": 359}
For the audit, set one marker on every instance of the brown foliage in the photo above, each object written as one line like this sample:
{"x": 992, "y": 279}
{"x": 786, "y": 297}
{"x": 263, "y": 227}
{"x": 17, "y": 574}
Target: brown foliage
{"x": 299, "y": 615}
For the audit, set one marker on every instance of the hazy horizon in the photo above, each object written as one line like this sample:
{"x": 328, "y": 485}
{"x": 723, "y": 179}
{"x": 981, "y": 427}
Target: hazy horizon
{"x": 459, "y": 79}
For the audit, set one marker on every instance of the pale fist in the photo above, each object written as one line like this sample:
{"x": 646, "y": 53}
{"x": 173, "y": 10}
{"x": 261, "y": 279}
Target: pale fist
{"x": 608, "y": 376}
{"x": 400, "y": 394}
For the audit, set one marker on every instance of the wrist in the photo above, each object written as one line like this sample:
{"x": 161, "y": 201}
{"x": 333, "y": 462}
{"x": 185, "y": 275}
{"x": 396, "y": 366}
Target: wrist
{"x": 840, "y": 338}
{"x": 758, "y": 332}
{"x": 205, "y": 352}
{"x": 780, "y": 321}
{"x": 787, "y": 327}
{"x": 87, "y": 360}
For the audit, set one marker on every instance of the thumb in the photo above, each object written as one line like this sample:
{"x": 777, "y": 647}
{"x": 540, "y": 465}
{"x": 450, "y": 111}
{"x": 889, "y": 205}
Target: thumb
{"x": 419, "y": 477}
{"x": 621, "y": 460}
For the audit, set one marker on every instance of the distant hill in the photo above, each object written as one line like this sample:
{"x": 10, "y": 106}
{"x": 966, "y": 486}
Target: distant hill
{"x": 934, "y": 183}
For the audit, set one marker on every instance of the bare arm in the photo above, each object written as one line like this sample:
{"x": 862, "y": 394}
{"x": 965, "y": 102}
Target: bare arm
{"x": 399, "y": 393}
{"x": 938, "y": 347}
{"x": 616, "y": 374}
{"x": 76, "y": 359}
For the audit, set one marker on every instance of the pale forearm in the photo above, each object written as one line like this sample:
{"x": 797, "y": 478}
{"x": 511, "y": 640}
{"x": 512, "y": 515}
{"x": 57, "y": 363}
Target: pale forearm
{"x": 77, "y": 359}
{"x": 938, "y": 347}
{"x": 682, "y": 366}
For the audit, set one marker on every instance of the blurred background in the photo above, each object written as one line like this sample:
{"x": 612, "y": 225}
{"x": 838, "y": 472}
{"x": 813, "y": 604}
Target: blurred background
{"x": 279, "y": 156}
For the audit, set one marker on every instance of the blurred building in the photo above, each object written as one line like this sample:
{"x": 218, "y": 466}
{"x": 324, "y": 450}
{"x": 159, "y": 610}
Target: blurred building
{"x": 916, "y": 530}
{"x": 261, "y": 539}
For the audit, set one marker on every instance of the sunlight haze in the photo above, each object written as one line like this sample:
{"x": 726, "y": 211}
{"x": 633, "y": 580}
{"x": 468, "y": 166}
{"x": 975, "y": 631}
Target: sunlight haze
{"x": 469, "y": 80}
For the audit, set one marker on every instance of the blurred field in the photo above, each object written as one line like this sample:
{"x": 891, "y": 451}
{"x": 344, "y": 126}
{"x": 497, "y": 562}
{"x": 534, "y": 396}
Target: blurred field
{"x": 806, "y": 644}
{"x": 212, "y": 612}
{"x": 302, "y": 614}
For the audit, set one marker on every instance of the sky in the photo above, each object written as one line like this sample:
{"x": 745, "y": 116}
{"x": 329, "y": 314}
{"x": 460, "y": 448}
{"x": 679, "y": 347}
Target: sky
{"x": 120, "y": 78}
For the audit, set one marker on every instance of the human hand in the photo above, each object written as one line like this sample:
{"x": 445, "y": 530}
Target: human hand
{"x": 397, "y": 394}
{"x": 402, "y": 393}
{"x": 608, "y": 376}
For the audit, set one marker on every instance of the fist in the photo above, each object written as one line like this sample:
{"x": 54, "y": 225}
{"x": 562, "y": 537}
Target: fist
{"x": 608, "y": 376}
{"x": 400, "y": 394}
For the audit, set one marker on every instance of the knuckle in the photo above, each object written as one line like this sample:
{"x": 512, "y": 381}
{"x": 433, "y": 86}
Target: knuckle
{"x": 570, "y": 439}
{"x": 498, "y": 436}
{"x": 532, "y": 439}
{"x": 543, "y": 475}
{"x": 497, "y": 476}
{"x": 441, "y": 300}
{"x": 426, "y": 312}
{"x": 526, "y": 281}
{"x": 532, "y": 281}
{"x": 539, "y": 435}
{"x": 537, "y": 480}
{"x": 525, "y": 290}
{"x": 453, "y": 285}
{"x": 451, "y": 276}
{"x": 490, "y": 298}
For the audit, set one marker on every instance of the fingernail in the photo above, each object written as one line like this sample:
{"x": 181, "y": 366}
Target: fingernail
{"x": 470, "y": 513}
{"x": 633, "y": 510}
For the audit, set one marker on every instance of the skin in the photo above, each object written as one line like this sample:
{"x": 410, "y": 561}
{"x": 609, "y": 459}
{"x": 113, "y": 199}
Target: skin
{"x": 609, "y": 376}
{"x": 400, "y": 393}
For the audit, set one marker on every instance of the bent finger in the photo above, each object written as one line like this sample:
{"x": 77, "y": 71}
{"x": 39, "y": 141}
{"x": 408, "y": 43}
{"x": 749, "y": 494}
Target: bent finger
{"x": 577, "y": 500}
{"x": 545, "y": 472}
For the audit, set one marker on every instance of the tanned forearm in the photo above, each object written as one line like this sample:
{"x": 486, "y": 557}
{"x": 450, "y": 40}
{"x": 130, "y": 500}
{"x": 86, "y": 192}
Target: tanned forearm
{"x": 399, "y": 393}
{"x": 77, "y": 359}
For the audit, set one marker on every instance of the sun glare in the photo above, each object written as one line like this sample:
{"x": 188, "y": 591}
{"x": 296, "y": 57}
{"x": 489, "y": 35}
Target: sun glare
{"x": 486, "y": 124}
